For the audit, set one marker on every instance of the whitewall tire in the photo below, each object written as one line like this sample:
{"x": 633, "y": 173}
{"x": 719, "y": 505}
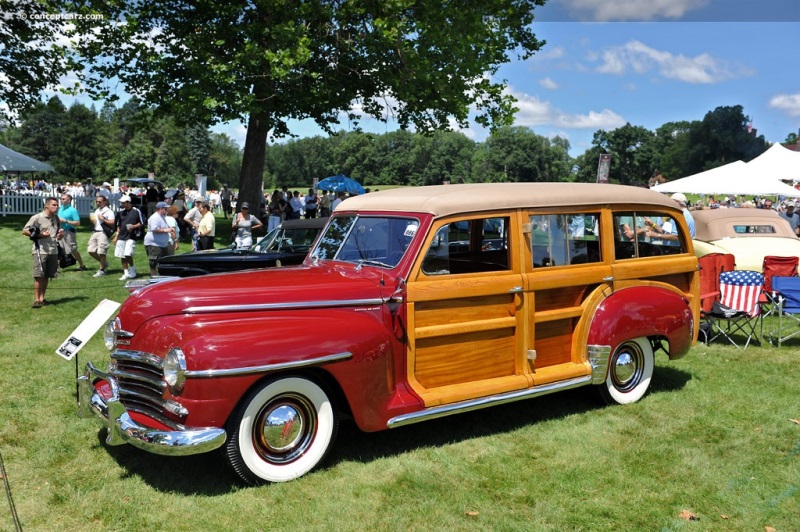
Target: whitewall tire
{"x": 630, "y": 370}
{"x": 281, "y": 431}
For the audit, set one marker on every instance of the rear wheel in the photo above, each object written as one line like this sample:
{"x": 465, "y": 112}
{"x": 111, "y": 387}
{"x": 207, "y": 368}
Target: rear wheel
{"x": 629, "y": 372}
{"x": 281, "y": 431}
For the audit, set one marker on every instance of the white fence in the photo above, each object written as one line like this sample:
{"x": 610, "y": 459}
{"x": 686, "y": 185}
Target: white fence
{"x": 32, "y": 203}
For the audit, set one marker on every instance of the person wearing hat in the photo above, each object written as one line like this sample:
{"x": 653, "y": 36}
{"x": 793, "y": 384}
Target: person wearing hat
{"x": 243, "y": 225}
{"x": 681, "y": 200}
{"x": 129, "y": 223}
{"x": 791, "y": 216}
{"x": 157, "y": 238}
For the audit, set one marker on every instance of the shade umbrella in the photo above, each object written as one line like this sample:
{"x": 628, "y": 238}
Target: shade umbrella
{"x": 340, "y": 183}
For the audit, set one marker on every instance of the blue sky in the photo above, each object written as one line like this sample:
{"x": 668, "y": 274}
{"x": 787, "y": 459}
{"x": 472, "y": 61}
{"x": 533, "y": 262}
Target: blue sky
{"x": 648, "y": 62}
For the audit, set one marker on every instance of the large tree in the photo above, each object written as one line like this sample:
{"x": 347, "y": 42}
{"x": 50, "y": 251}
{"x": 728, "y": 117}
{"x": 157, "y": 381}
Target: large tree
{"x": 33, "y": 57}
{"x": 421, "y": 62}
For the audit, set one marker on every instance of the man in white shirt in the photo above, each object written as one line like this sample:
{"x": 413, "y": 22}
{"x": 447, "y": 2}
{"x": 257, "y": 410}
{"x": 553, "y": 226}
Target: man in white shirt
{"x": 340, "y": 196}
{"x": 103, "y": 223}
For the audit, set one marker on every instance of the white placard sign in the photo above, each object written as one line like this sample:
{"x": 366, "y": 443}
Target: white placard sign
{"x": 88, "y": 327}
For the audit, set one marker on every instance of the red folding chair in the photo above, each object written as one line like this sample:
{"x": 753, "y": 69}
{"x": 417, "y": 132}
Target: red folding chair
{"x": 711, "y": 266}
{"x": 774, "y": 266}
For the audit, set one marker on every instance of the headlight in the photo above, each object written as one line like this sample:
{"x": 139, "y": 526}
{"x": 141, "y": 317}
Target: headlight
{"x": 175, "y": 370}
{"x": 109, "y": 333}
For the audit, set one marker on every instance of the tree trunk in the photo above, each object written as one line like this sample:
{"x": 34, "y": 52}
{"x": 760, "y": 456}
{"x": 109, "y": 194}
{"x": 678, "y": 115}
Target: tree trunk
{"x": 255, "y": 149}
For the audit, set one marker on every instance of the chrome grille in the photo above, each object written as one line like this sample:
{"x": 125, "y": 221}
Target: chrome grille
{"x": 141, "y": 381}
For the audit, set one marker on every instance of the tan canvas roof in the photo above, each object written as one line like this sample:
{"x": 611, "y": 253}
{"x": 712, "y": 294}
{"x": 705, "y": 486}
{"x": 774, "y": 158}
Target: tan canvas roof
{"x": 443, "y": 200}
{"x": 716, "y": 224}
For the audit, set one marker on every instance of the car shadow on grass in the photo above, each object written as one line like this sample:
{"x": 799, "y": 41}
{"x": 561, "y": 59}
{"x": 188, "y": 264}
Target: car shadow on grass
{"x": 209, "y": 475}
{"x": 365, "y": 447}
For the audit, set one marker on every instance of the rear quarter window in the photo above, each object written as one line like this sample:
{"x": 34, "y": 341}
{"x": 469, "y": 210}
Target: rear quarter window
{"x": 647, "y": 234}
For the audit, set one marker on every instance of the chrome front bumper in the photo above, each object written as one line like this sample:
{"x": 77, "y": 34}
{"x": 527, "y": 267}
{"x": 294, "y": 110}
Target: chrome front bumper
{"x": 123, "y": 429}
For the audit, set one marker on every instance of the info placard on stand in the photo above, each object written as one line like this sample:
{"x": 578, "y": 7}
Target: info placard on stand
{"x": 88, "y": 327}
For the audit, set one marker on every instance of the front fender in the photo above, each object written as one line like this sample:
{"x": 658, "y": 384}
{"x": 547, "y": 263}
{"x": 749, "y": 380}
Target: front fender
{"x": 225, "y": 341}
{"x": 644, "y": 311}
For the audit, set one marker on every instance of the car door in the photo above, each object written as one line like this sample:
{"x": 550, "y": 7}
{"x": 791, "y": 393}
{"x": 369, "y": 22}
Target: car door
{"x": 565, "y": 275}
{"x": 464, "y": 310}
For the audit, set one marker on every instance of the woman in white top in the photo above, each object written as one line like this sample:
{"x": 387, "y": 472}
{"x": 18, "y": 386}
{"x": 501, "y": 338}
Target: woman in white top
{"x": 244, "y": 223}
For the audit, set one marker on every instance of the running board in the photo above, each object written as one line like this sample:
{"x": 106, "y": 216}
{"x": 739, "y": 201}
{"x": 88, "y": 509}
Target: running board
{"x": 485, "y": 402}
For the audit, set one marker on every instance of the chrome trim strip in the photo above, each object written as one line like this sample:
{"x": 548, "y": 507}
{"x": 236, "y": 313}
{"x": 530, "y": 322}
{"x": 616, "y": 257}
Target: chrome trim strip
{"x": 122, "y": 429}
{"x": 286, "y": 306}
{"x": 484, "y": 402}
{"x": 208, "y": 373}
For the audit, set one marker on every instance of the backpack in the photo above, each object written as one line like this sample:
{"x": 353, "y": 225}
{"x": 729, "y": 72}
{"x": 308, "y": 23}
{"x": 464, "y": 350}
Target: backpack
{"x": 138, "y": 233}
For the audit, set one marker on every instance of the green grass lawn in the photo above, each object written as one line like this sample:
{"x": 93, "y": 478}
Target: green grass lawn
{"x": 718, "y": 436}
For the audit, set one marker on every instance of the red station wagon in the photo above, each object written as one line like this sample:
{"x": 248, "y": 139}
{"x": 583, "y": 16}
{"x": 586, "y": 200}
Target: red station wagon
{"x": 412, "y": 304}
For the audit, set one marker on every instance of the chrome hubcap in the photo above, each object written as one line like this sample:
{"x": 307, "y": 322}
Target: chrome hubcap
{"x": 626, "y": 370}
{"x": 284, "y": 429}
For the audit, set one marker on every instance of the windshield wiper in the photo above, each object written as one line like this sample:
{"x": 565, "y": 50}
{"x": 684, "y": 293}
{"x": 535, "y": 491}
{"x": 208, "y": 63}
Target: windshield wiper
{"x": 362, "y": 262}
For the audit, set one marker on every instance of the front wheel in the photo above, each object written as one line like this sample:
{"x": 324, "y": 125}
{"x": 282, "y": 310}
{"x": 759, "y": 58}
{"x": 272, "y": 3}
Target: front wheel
{"x": 281, "y": 431}
{"x": 629, "y": 372}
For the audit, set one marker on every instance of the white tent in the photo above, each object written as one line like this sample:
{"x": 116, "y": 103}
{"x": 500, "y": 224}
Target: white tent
{"x": 777, "y": 162}
{"x": 734, "y": 178}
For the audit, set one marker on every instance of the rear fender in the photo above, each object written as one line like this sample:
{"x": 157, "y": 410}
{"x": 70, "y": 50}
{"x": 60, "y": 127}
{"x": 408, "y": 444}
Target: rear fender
{"x": 654, "y": 310}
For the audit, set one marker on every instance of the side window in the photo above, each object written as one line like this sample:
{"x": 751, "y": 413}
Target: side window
{"x": 469, "y": 246}
{"x": 564, "y": 239}
{"x": 647, "y": 234}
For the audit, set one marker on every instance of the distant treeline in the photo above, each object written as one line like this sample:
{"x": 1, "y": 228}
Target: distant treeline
{"x": 131, "y": 141}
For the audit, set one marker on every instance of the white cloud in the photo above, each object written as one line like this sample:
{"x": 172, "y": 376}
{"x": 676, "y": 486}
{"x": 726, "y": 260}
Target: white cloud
{"x": 555, "y": 52}
{"x": 631, "y": 10}
{"x": 640, "y": 58}
{"x": 548, "y": 83}
{"x": 534, "y": 112}
{"x": 789, "y": 103}
{"x": 605, "y": 119}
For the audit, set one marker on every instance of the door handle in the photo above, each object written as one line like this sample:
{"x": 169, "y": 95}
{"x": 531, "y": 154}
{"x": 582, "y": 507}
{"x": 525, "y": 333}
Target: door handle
{"x": 516, "y": 290}
{"x": 608, "y": 279}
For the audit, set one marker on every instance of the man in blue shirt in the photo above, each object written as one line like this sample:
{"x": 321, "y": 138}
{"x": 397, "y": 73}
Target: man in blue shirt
{"x": 70, "y": 220}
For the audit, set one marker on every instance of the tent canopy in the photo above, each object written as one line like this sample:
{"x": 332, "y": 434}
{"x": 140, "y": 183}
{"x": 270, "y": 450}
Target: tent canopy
{"x": 734, "y": 178}
{"x": 778, "y": 162}
{"x": 12, "y": 161}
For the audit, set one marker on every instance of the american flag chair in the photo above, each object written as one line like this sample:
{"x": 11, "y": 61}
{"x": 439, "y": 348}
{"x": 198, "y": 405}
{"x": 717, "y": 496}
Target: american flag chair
{"x": 739, "y": 312}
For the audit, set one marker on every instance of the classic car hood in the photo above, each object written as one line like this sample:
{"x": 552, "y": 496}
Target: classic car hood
{"x": 327, "y": 281}
{"x": 751, "y": 250}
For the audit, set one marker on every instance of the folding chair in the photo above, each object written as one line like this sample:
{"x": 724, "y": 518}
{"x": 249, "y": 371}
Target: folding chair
{"x": 787, "y": 298}
{"x": 774, "y": 266}
{"x": 711, "y": 266}
{"x": 738, "y": 310}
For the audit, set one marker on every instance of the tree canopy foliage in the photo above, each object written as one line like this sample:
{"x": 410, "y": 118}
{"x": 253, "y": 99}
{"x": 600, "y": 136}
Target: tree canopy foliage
{"x": 422, "y": 62}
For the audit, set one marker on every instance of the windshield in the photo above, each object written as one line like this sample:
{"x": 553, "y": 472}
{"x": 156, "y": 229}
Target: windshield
{"x": 376, "y": 240}
{"x": 291, "y": 240}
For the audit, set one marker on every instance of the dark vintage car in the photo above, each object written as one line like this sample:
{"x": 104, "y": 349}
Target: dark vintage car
{"x": 286, "y": 245}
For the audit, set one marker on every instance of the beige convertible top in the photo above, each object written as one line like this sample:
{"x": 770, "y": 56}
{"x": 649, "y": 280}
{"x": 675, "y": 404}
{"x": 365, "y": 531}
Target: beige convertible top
{"x": 443, "y": 200}
{"x": 716, "y": 224}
